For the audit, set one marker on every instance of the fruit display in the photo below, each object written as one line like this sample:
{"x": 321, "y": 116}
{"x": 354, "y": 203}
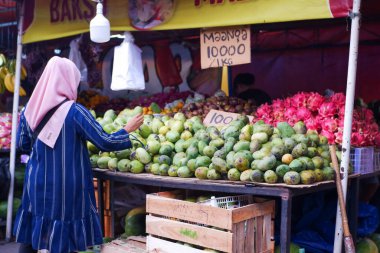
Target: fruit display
{"x": 92, "y": 99}
{"x": 7, "y": 75}
{"x": 161, "y": 103}
{"x": 180, "y": 147}
{"x": 323, "y": 114}
{"x": 161, "y": 99}
{"x": 5, "y": 130}
{"x": 218, "y": 102}
{"x": 116, "y": 104}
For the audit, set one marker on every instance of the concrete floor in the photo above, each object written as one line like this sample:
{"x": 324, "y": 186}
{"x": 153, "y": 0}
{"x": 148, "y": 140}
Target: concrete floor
{"x": 10, "y": 247}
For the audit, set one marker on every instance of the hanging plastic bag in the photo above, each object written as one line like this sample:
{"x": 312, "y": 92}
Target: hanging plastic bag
{"x": 127, "y": 73}
{"x": 76, "y": 57}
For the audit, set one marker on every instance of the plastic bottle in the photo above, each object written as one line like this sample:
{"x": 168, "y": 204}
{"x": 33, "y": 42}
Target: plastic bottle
{"x": 301, "y": 250}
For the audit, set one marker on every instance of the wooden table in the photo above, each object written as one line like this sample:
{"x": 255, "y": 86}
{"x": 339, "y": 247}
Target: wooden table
{"x": 286, "y": 194}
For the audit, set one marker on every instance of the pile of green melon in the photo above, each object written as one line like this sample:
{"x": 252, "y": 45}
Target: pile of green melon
{"x": 180, "y": 147}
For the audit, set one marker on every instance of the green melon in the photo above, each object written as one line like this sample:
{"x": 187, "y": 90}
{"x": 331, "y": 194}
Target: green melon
{"x": 366, "y": 246}
{"x": 135, "y": 222}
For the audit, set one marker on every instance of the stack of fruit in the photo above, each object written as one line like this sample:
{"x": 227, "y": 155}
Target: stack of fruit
{"x": 180, "y": 147}
{"x": 91, "y": 98}
{"x": 323, "y": 114}
{"x": 171, "y": 108}
{"x": 5, "y": 131}
{"x": 223, "y": 103}
{"x": 161, "y": 99}
{"x": 7, "y": 75}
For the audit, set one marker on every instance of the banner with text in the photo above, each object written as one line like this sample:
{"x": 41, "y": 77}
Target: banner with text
{"x": 51, "y": 19}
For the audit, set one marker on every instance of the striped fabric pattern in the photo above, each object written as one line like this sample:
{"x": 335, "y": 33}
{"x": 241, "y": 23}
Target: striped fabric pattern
{"x": 58, "y": 211}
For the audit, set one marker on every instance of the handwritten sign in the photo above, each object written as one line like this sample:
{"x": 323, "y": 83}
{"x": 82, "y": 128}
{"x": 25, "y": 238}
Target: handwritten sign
{"x": 221, "y": 118}
{"x": 225, "y": 47}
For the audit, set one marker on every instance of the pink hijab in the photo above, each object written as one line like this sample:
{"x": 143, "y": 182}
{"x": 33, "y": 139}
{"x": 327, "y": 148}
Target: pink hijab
{"x": 60, "y": 80}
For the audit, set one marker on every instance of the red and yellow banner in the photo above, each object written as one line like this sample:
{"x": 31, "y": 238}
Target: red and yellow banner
{"x": 51, "y": 19}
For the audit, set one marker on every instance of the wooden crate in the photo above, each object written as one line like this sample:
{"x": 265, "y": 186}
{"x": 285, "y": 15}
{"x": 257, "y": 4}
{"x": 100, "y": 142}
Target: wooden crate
{"x": 247, "y": 229}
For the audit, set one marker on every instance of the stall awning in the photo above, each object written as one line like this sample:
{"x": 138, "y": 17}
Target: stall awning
{"x": 51, "y": 19}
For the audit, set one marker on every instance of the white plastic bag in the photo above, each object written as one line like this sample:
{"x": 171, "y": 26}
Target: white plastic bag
{"x": 127, "y": 73}
{"x": 76, "y": 57}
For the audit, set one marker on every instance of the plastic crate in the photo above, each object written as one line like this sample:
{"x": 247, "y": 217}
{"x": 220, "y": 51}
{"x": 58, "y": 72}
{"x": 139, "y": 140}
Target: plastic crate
{"x": 376, "y": 160}
{"x": 230, "y": 201}
{"x": 248, "y": 227}
{"x": 362, "y": 160}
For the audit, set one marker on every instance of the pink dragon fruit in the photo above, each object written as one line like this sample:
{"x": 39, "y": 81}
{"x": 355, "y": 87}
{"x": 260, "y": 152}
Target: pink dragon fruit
{"x": 341, "y": 112}
{"x": 373, "y": 128}
{"x": 357, "y": 139}
{"x": 325, "y": 115}
{"x": 300, "y": 99}
{"x": 377, "y": 140}
{"x": 328, "y": 109}
{"x": 290, "y": 112}
{"x": 368, "y": 115}
{"x": 264, "y": 110}
{"x": 303, "y": 113}
{"x": 314, "y": 101}
{"x": 277, "y": 104}
{"x": 339, "y": 99}
{"x": 330, "y": 136}
{"x": 288, "y": 102}
{"x": 313, "y": 124}
{"x": 339, "y": 136}
{"x": 330, "y": 125}
{"x": 278, "y": 115}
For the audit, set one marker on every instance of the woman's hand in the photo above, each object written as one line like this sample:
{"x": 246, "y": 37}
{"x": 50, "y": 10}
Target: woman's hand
{"x": 134, "y": 123}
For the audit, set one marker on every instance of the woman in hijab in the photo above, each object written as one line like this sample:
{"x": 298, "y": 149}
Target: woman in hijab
{"x": 58, "y": 211}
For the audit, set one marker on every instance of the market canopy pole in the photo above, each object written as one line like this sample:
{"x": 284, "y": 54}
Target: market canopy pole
{"x": 14, "y": 124}
{"x": 350, "y": 95}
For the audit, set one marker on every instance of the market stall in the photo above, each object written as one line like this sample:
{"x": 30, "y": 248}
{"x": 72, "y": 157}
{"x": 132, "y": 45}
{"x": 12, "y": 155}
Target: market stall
{"x": 71, "y": 26}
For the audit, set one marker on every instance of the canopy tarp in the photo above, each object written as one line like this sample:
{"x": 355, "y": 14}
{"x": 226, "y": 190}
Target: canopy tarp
{"x": 51, "y": 19}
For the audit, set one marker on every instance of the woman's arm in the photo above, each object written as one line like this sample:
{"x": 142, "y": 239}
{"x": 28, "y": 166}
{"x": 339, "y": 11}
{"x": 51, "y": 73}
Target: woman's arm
{"x": 91, "y": 130}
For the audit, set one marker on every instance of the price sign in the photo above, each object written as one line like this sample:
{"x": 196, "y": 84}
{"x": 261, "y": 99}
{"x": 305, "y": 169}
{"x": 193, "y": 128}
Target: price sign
{"x": 225, "y": 47}
{"x": 221, "y": 118}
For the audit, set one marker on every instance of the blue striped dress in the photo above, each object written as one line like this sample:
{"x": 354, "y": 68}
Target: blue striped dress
{"x": 58, "y": 210}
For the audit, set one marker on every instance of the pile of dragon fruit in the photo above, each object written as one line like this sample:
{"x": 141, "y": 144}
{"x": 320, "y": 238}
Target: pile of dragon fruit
{"x": 323, "y": 114}
{"x": 5, "y": 130}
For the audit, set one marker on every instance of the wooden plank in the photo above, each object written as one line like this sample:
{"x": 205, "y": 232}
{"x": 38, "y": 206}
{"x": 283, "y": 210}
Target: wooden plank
{"x": 193, "y": 212}
{"x": 250, "y": 236}
{"x": 267, "y": 231}
{"x": 272, "y": 234}
{"x": 235, "y": 241}
{"x": 251, "y": 211}
{"x": 107, "y": 195}
{"x": 259, "y": 234}
{"x": 155, "y": 245}
{"x": 193, "y": 234}
{"x": 240, "y": 237}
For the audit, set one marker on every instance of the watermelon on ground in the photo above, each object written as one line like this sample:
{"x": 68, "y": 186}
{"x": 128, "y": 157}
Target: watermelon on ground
{"x": 366, "y": 245}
